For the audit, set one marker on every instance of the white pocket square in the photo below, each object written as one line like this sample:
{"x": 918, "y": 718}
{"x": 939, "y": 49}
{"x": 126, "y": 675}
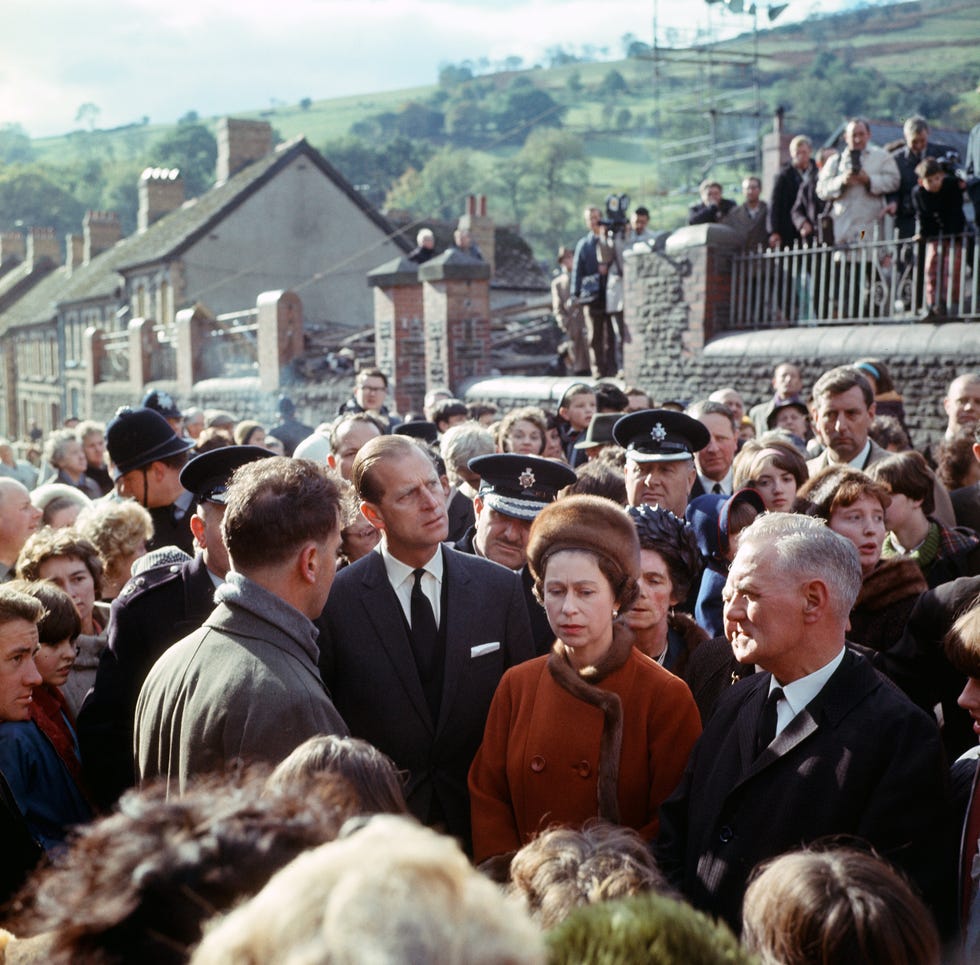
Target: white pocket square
{"x": 480, "y": 649}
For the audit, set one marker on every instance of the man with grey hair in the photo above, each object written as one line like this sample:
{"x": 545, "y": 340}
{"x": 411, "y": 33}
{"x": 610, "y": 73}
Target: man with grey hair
{"x": 817, "y": 744}
{"x": 714, "y": 461}
{"x": 458, "y": 445}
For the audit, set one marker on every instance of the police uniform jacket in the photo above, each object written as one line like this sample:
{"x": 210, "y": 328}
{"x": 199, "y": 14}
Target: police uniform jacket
{"x": 152, "y": 612}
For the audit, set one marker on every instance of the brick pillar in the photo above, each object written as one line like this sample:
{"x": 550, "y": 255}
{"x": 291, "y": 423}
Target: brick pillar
{"x": 187, "y": 332}
{"x": 675, "y": 302}
{"x": 141, "y": 342}
{"x": 775, "y": 153}
{"x": 481, "y": 228}
{"x": 456, "y": 304}
{"x": 280, "y": 336}
{"x": 399, "y": 331}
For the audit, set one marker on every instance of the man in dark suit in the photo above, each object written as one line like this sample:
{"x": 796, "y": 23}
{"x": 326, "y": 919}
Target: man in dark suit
{"x": 154, "y": 611}
{"x": 818, "y": 744}
{"x": 416, "y": 636}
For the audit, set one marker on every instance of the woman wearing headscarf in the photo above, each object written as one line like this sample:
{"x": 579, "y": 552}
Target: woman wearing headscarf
{"x": 595, "y": 728}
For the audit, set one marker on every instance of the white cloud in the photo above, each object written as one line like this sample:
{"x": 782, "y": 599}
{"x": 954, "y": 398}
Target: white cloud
{"x": 147, "y": 57}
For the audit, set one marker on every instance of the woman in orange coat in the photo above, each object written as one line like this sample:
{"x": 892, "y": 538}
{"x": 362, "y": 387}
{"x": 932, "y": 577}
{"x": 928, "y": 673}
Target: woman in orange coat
{"x": 595, "y": 728}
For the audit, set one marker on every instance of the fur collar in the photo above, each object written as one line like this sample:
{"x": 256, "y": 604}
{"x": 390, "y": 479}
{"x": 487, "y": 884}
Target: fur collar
{"x": 583, "y": 685}
{"x": 889, "y": 582}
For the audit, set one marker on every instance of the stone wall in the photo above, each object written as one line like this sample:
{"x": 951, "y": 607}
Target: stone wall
{"x": 666, "y": 294}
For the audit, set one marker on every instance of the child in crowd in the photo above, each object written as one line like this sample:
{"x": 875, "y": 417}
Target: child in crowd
{"x": 575, "y": 412}
{"x": 39, "y": 757}
{"x": 938, "y": 204}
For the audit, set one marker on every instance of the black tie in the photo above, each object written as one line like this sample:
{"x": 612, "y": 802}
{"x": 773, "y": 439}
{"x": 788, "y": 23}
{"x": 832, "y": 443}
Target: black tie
{"x": 425, "y": 642}
{"x": 717, "y": 490}
{"x": 767, "y": 721}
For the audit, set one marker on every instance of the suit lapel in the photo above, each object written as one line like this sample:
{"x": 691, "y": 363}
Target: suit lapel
{"x": 747, "y": 723}
{"x": 383, "y": 612}
{"x": 461, "y": 609}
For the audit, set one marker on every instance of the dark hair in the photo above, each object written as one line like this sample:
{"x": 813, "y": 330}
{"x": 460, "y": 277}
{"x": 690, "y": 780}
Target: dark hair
{"x": 60, "y": 621}
{"x": 140, "y": 884}
{"x": 15, "y": 605}
{"x": 372, "y": 776}
{"x": 642, "y": 210}
{"x": 878, "y": 371}
{"x": 274, "y": 507}
{"x": 372, "y": 373}
{"x": 477, "y": 410}
{"x": 446, "y": 409}
{"x": 908, "y": 474}
{"x": 927, "y": 167}
{"x": 842, "y": 379}
{"x": 838, "y": 486}
{"x": 610, "y": 398}
{"x": 887, "y": 431}
{"x": 49, "y": 544}
{"x": 956, "y": 459}
{"x": 54, "y": 506}
{"x": 754, "y": 453}
{"x": 660, "y": 530}
{"x": 597, "y": 477}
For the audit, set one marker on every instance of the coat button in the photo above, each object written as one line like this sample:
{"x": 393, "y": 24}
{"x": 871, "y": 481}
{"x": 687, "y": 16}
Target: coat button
{"x": 537, "y": 764}
{"x": 726, "y": 834}
{"x": 583, "y": 769}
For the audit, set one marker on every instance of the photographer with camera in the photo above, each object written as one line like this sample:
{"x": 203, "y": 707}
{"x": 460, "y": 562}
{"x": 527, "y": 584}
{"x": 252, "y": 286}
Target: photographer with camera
{"x": 589, "y": 278}
{"x": 713, "y": 207}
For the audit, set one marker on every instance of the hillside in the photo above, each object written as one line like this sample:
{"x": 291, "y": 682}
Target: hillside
{"x": 651, "y": 125}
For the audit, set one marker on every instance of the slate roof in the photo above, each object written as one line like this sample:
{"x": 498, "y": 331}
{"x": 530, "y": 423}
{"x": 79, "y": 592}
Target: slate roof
{"x": 102, "y": 278}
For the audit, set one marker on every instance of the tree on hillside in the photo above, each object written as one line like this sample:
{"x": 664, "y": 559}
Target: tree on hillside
{"x": 30, "y": 197}
{"x": 521, "y": 109}
{"x": 374, "y": 169}
{"x": 15, "y": 145}
{"x": 192, "y": 148}
{"x": 612, "y": 84}
{"x": 88, "y": 114}
{"x": 438, "y": 190}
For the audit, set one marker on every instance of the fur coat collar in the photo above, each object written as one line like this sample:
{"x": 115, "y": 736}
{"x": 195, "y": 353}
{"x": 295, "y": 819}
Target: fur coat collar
{"x": 584, "y": 685}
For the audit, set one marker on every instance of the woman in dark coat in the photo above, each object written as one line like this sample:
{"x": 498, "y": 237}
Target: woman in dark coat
{"x": 854, "y": 505}
{"x": 595, "y": 728}
{"x": 670, "y": 565}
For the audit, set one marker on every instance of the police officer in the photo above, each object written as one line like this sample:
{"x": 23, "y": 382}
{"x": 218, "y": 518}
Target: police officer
{"x": 153, "y": 611}
{"x": 513, "y": 490}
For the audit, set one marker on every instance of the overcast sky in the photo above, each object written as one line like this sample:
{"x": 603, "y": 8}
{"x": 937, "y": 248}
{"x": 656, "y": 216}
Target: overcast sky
{"x": 162, "y": 58}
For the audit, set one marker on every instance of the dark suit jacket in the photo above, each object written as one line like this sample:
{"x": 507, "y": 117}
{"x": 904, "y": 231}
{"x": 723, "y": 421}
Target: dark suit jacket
{"x": 861, "y": 760}
{"x": 966, "y": 506}
{"x": 367, "y": 664}
{"x": 461, "y": 515}
{"x": 153, "y": 611}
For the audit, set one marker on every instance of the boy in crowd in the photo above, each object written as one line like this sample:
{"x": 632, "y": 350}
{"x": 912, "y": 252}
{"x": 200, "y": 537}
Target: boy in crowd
{"x": 938, "y": 204}
{"x": 575, "y": 411}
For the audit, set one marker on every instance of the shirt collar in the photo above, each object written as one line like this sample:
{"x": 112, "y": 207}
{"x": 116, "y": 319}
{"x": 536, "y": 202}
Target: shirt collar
{"x": 398, "y": 571}
{"x": 799, "y": 693}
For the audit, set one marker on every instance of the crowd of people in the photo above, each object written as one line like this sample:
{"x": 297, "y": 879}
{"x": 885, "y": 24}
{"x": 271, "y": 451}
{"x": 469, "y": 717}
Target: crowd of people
{"x": 481, "y": 685}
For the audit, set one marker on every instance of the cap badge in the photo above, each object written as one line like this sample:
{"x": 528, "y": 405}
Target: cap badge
{"x": 164, "y": 399}
{"x": 658, "y": 433}
{"x": 526, "y": 478}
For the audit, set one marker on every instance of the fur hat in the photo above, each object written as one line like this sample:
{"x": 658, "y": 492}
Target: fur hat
{"x": 593, "y": 525}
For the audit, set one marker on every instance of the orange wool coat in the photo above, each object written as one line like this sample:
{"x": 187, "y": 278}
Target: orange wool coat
{"x": 559, "y": 748}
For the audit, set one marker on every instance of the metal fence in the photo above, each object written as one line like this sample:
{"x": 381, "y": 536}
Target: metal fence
{"x": 879, "y": 280}
{"x": 229, "y": 346}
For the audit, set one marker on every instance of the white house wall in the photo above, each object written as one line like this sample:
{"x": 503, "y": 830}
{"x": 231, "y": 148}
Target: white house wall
{"x": 299, "y": 232}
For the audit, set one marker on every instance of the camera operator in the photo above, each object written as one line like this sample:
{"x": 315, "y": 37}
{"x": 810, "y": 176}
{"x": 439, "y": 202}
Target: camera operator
{"x": 589, "y": 278}
{"x": 713, "y": 206}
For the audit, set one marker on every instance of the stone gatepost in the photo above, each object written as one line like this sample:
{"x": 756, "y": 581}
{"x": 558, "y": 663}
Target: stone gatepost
{"x": 456, "y": 301}
{"x": 141, "y": 345}
{"x": 675, "y": 302}
{"x": 280, "y": 335}
{"x": 190, "y": 345}
{"x": 399, "y": 331}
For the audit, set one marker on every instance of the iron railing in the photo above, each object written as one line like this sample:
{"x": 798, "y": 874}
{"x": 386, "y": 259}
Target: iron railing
{"x": 879, "y": 280}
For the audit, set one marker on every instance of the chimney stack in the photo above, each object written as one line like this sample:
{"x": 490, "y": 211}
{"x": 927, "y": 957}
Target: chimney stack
{"x": 12, "y": 250}
{"x": 101, "y": 230}
{"x": 239, "y": 144}
{"x": 161, "y": 190}
{"x": 42, "y": 248}
{"x": 480, "y": 227}
{"x": 74, "y": 252}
